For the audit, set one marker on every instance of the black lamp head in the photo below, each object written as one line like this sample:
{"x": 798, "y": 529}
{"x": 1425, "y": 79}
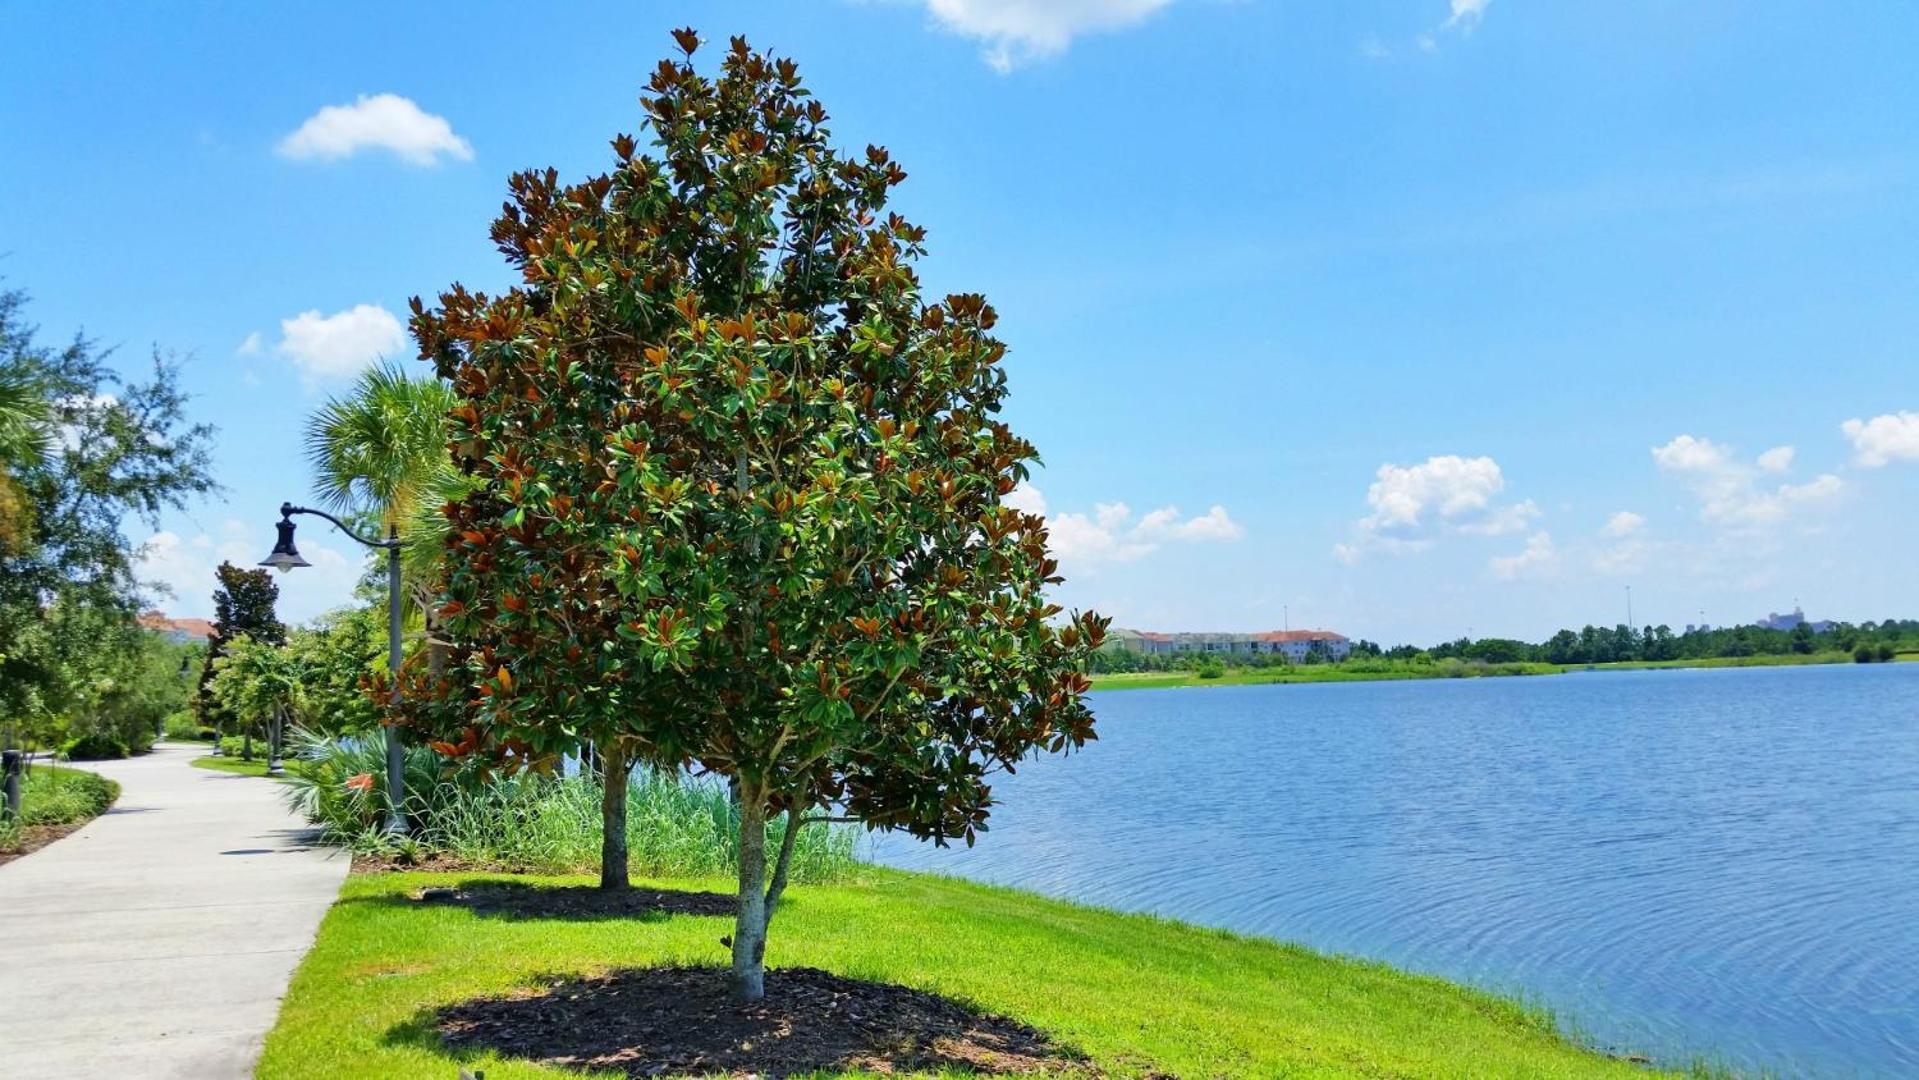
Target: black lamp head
{"x": 285, "y": 556}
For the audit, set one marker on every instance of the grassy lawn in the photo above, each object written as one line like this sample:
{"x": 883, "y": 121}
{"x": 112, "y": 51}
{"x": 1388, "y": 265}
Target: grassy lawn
{"x": 1138, "y": 994}
{"x": 234, "y": 765}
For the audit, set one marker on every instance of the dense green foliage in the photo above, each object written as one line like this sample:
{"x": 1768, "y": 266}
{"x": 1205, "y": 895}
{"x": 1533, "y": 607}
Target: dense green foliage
{"x": 738, "y": 489}
{"x": 1141, "y": 996}
{"x": 242, "y": 611}
{"x": 83, "y": 453}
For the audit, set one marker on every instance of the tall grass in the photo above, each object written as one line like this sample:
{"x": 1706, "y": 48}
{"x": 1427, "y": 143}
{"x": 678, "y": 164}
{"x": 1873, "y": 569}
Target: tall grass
{"x": 676, "y": 826}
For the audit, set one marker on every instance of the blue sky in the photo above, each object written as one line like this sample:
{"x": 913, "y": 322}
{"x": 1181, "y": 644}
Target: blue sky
{"x": 1422, "y": 316}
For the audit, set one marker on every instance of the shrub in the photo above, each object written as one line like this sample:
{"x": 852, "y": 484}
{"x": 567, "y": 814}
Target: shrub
{"x": 53, "y": 796}
{"x": 181, "y": 724}
{"x": 1864, "y": 654}
{"x": 1887, "y": 653}
{"x": 1210, "y": 668}
{"x": 236, "y": 746}
{"x": 97, "y": 746}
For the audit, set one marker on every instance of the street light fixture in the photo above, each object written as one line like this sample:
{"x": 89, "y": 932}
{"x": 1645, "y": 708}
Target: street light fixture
{"x": 285, "y": 558}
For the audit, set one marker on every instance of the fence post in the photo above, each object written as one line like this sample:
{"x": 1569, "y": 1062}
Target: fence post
{"x": 10, "y": 767}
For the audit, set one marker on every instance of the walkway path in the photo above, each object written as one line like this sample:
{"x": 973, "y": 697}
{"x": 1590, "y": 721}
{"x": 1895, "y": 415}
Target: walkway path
{"x": 158, "y": 940}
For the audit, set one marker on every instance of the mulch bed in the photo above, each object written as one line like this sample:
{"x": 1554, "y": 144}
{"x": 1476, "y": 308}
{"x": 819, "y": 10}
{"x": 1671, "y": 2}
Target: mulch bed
{"x": 680, "y": 1021}
{"x": 508, "y": 899}
{"x": 35, "y": 837}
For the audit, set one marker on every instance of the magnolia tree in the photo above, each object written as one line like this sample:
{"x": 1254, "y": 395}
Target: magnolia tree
{"x": 739, "y": 492}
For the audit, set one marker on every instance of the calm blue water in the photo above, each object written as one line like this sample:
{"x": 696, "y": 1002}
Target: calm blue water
{"x": 1681, "y": 863}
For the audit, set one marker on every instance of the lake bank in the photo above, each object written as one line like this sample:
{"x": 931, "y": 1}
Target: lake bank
{"x": 1716, "y": 863}
{"x": 1139, "y": 996}
{"x": 1393, "y": 671}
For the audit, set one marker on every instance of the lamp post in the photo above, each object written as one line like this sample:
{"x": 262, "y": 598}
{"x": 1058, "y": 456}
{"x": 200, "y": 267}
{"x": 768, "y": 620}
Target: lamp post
{"x": 284, "y": 558}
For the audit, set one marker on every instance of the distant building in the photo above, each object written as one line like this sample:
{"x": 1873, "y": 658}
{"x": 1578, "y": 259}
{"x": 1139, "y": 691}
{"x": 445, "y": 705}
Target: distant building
{"x": 178, "y": 631}
{"x": 1776, "y": 621}
{"x": 1295, "y": 645}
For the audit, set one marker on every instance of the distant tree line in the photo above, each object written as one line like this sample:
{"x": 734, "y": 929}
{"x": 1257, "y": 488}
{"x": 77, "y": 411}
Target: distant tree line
{"x": 1867, "y": 642}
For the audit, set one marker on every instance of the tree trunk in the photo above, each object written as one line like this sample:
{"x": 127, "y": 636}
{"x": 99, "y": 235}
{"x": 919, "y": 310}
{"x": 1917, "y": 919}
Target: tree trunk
{"x": 246, "y": 744}
{"x": 749, "y": 924}
{"x": 613, "y": 777}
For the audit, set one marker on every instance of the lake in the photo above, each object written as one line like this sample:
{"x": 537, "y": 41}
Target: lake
{"x": 1707, "y": 863}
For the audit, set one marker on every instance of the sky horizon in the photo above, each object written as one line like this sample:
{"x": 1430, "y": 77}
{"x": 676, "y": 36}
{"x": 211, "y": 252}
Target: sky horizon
{"x": 1406, "y": 319}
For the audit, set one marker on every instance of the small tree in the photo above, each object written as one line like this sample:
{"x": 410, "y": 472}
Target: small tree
{"x": 739, "y": 486}
{"x": 242, "y": 607}
{"x": 262, "y": 684}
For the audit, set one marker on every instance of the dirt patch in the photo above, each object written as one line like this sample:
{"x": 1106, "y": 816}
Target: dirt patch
{"x": 35, "y": 837}
{"x": 680, "y": 1021}
{"x": 513, "y": 900}
{"x": 387, "y": 863}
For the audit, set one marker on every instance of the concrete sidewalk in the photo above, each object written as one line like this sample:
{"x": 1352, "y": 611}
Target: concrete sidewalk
{"x": 157, "y": 941}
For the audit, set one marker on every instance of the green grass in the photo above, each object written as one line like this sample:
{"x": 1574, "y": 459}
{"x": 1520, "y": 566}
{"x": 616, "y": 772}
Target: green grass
{"x": 51, "y": 795}
{"x": 234, "y": 765}
{"x": 1138, "y": 994}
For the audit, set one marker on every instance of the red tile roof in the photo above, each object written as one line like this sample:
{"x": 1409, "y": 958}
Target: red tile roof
{"x": 157, "y": 621}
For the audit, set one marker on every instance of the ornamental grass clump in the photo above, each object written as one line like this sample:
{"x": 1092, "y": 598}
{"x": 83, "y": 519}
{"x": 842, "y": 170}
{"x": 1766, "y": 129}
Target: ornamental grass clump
{"x": 676, "y": 825}
{"x": 738, "y": 495}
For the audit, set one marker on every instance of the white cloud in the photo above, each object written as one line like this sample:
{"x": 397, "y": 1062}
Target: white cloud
{"x": 1624, "y": 523}
{"x": 1016, "y": 32}
{"x": 252, "y": 346}
{"x": 341, "y": 344}
{"x": 1502, "y": 520}
{"x": 1884, "y": 439}
{"x": 183, "y": 567}
{"x": 1539, "y": 559}
{"x": 1374, "y": 49}
{"x": 1027, "y": 499}
{"x": 1777, "y": 459}
{"x": 1411, "y": 504}
{"x": 1466, "y": 13}
{"x": 377, "y": 122}
{"x": 1728, "y": 490}
{"x": 1111, "y": 533}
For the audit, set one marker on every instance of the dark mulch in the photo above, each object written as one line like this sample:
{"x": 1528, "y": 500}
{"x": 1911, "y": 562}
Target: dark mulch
{"x": 35, "y": 837}
{"x": 679, "y": 1020}
{"x": 386, "y": 862}
{"x": 514, "y": 900}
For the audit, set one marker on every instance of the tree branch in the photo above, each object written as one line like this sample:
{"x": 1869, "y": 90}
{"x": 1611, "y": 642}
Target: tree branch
{"x": 777, "y": 887}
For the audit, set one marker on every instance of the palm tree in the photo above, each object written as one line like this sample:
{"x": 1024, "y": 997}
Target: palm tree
{"x": 24, "y": 437}
{"x": 381, "y": 448}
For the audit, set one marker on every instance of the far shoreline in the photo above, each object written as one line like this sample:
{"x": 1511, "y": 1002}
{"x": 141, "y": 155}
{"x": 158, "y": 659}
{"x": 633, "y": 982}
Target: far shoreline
{"x": 1398, "y": 671}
